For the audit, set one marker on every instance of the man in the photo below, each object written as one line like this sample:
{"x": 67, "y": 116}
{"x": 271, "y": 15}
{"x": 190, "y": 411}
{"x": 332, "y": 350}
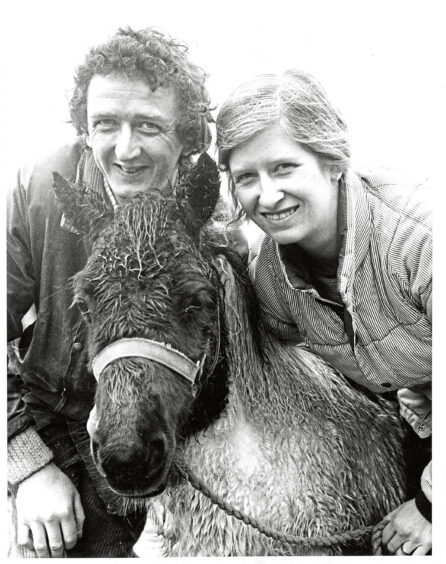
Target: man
{"x": 141, "y": 110}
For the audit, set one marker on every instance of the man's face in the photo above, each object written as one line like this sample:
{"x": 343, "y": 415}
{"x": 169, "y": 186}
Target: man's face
{"x": 132, "y": 133}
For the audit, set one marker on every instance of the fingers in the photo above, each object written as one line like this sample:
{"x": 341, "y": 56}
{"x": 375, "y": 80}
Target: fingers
{"x": 55, "y": 539}
{"x": 79, "y": 514}
{"x": 407, "y": 549}
{"x": 390, "y": 540}
{"x": 39, "y": 540}
{"x": 69, "y": 533}
{"x": 421, "y": 551}
{"x": 376, "y": 538}
{"x": 72, "y": 525}
{"x": 388, "y": 534}
{"x": 24, "y": 536}
{"x": 385, "y": 540}
{"x": 404, "y": 532}
{"x": 393, "y": 545}
{"x": 35, "y": 538}
{"x": 403, "y": 551}
{"x": 51, "y": 537}
{"x": 376, "y": 546}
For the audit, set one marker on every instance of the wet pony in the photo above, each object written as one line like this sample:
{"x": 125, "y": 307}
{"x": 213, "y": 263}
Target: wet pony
{"x": 188, "y": 377}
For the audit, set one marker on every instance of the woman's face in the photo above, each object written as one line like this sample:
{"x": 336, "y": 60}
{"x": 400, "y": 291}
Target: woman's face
{"x": 287, "y": 191}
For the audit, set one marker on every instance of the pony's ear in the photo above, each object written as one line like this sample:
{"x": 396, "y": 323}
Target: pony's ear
{"x": 198, "y": 191}
{"x": 84, "y": 213}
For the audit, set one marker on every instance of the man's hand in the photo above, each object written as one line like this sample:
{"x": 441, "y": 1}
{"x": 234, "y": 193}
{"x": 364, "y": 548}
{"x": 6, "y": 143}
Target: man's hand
{"x": 403, "y": 532}
{"x": 49, "y": 513}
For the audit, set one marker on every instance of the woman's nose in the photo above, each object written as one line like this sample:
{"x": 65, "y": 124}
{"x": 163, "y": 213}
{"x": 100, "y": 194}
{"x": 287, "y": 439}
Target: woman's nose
{"x": 270, "y": 192}
{"x": 127, "y": 146}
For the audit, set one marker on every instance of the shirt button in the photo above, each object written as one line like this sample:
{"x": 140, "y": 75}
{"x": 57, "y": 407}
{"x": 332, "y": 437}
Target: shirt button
{"x": 386, "y": 385}
{"x": 77, "y": 346}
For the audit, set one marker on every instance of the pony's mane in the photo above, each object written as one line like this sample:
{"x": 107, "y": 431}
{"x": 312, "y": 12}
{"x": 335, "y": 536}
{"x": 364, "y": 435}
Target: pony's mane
{"x": 272, "y": 376}
{"x": 213, "y": 397}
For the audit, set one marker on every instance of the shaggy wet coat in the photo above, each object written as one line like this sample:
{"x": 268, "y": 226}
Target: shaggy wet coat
{"x": 268, "y": 426}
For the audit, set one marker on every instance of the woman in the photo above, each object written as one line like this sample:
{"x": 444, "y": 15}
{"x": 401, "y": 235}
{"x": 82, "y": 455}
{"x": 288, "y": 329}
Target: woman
{"x": 344, "y": 264}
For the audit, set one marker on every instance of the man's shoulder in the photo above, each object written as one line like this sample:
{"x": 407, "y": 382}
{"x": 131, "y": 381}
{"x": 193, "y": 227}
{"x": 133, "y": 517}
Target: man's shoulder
{"x": 63, "y": 158}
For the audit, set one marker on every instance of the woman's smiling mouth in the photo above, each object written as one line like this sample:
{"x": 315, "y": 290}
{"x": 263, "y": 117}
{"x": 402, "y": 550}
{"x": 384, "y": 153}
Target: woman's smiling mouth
{"x": 131, "y": 169}
{"x": 278, "y": 216}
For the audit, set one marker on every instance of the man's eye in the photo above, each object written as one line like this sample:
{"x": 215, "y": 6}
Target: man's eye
{"x": 105, "y": 123}
{"x": 148, "y": 127}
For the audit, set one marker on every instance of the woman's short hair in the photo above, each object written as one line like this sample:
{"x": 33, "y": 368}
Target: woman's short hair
{"x": 158, "y": 60}
{"x": 296, "y": 100}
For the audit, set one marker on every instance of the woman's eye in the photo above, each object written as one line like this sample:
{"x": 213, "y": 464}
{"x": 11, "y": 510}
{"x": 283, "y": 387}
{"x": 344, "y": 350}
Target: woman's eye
{"x": 284, "y": 168}
{"x": 244, "y": 179}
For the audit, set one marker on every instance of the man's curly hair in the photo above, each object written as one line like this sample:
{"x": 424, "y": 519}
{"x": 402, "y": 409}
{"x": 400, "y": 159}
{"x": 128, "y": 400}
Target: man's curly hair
{"x": 158, "y": 60}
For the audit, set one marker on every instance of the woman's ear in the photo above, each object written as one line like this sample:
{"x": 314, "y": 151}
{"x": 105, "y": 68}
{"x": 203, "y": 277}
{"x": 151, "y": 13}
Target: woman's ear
{"x": 335, "y": 174}
{"x": 87, "y": 139}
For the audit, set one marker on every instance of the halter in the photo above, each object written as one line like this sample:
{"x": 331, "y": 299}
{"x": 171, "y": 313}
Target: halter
{"x": 163, "y": 353}
{"x": 153, "y": 350}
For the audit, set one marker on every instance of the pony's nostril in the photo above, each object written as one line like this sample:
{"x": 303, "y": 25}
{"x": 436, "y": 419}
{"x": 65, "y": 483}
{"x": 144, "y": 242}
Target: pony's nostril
{"x": 135, "y": 466}
{"x": 157, "y": 450}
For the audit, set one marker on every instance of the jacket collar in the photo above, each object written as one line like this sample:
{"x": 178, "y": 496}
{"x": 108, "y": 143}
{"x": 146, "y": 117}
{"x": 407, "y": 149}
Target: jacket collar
{"x": 355, "y": 235}
{"x": 89, "y": 175}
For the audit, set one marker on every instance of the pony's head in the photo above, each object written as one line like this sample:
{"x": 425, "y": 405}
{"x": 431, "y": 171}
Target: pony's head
{"x": 150, "y": 296}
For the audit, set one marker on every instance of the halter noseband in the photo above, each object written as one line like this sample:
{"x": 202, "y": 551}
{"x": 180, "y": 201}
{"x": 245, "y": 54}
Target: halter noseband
{"x": 162, "y": 353}
{"x": 153, "y": 350}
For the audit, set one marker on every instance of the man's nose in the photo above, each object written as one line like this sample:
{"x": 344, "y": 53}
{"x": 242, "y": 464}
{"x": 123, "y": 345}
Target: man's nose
{"x": 270, "y": 192}
{"x": 127, "y": 145}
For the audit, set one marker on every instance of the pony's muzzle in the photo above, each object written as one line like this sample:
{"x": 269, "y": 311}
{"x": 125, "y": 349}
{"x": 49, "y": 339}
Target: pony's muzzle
{"x": 94, "y": 447}
{"x": 134, "y": 469}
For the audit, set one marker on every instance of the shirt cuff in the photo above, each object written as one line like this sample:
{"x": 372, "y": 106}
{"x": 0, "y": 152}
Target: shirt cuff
{"x": 27, "y": 453}
{"x": 424, "y": 506}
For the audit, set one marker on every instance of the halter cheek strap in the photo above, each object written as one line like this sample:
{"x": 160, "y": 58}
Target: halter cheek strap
{"x": 152, "y": 350}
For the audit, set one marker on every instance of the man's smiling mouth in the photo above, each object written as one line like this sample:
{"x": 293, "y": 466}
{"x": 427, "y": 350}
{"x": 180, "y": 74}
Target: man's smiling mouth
{"x": 277, "y": 216}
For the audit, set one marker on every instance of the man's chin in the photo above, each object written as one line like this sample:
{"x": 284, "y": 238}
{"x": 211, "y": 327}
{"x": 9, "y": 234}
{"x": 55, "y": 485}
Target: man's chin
{"x": 125, "y": 193}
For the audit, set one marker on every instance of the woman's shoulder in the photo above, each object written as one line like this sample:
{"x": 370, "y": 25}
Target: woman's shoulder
{"x": 401, "y": 220}
{"x": 395, "y": 194}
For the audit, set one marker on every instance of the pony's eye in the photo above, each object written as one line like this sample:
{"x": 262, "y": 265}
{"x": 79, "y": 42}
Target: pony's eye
{"x": 83, "y": 307}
